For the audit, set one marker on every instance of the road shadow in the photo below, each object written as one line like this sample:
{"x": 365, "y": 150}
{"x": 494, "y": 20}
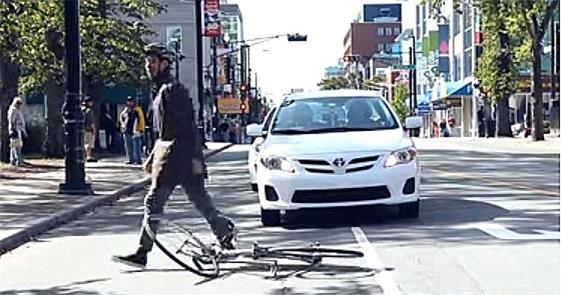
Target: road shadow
{"x": 73, "y": 288}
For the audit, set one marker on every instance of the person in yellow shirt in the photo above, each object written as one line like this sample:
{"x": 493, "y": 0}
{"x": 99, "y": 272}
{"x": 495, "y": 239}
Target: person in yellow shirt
{"x": 132, "y": 127}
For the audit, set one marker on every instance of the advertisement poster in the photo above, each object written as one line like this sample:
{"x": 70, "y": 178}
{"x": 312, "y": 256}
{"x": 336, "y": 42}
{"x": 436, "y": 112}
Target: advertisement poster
{"x": 212, "y": 18}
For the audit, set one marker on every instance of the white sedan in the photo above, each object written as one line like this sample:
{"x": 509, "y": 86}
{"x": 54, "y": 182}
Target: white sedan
{"x": 334, "y": 149}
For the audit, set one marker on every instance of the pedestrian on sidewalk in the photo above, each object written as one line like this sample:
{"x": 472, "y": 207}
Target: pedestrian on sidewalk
{"x": 177, "y": 158}
{"x": 132, "y": 127}
{"x": 90, "y": 129}
{"x": 17, "y": 130}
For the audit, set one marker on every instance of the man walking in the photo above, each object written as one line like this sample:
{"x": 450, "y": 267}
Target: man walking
{"x": 177, "y": 158}
{"x": 132, "y": 126}
{"x": 90, "y": 129}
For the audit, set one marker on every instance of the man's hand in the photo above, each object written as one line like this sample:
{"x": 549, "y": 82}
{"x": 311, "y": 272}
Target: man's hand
{"x": 147, "y": 166}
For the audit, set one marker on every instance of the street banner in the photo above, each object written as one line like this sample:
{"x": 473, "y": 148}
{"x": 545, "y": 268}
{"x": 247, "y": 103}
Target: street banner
{"x": 212, "y": 18}
{"x": 443, "y": 38}
{"x": 230, "y": 105}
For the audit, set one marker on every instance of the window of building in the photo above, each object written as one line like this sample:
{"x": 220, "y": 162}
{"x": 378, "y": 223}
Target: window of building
{"x": 388, "y": 31}
{"x": 380, "y": 46}
{"x": 388, "y": 47}
{"x": 468, "y": 38}
{"x": 467, "y": 16}
{"x": 396, "y": 31}
{"x": 456, "y": 23}
{"x": 467, "y": 63}
{"x": 457, "y": 67}
{"x": 380, "y": 31}
{"x": 417, "y": 15}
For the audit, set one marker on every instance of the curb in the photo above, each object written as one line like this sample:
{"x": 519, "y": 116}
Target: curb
{"x": 25, "y": 235}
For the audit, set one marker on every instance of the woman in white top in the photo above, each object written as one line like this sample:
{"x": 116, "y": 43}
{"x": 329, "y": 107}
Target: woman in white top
{"x": 16, "y": 129}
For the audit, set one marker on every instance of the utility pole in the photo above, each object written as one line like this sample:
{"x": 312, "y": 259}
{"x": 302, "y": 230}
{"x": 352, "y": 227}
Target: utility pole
{"x": 200, "y": 85}
{"x": 411, "y": 106}
{"x": 75, "y": 174}
{"x": 554, "y": 60}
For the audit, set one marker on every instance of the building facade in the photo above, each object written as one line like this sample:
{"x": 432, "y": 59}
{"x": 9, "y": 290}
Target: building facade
{"x": 372, "y": 32}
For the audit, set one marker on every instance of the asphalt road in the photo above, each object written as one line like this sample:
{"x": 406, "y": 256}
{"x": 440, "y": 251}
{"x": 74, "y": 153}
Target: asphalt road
{"x": 489, "y": 224}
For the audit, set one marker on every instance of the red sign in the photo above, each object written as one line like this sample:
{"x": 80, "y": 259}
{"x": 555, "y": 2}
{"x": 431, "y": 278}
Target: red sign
{"x": 212, "y": 18}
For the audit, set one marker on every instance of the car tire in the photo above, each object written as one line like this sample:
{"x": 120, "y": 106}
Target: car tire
{"x": 254, "y": 187}
{"x": 270, "y": 217}
{"x": 409, "y": 210}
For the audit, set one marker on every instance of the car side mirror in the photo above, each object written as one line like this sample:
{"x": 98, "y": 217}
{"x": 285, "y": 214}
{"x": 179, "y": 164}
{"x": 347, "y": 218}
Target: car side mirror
{"x": 413, "y": 122}
{"x": 254, "y": 130}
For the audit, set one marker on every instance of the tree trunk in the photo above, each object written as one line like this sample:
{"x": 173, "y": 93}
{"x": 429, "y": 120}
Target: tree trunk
{"x": 53, "y": 146}
{"x": 503, "y": 118}
{"x": 9, "y": 74}
{"x": 537, "y": 130}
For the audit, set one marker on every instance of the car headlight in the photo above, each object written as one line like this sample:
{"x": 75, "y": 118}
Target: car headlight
{"x": 402, "y": 156}
{"x": 277, "y": 163}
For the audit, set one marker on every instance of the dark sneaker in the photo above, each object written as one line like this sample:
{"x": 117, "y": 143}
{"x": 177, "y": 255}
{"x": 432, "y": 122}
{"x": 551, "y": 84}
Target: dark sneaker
{"x": 91, "y": 160}
{"x": 229, "y": 241}
{"x": 136, "y": 259}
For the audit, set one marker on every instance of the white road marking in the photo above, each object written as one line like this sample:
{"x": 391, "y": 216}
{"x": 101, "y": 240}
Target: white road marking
{"x": 502, "y": 233}
{"x": 384, "y": 278}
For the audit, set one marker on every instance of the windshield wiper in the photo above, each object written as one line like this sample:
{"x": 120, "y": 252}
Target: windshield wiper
{"x": 290, "y": 131}
{"x": 341, "y": 129}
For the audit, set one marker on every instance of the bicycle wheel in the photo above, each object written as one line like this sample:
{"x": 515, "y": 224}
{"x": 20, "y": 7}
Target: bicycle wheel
{"x": 185, "y": 249}
{"x": 314, "y": 252}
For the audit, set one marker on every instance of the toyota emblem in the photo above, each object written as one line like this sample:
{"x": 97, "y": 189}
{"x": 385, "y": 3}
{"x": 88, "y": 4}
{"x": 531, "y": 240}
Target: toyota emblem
{"x": 339, "y": 162}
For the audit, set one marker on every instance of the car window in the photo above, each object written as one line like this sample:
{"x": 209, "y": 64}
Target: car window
{"x": 333, "y": 114}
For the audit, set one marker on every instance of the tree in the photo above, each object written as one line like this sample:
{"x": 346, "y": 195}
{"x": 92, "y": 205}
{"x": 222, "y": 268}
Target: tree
{"x": 112, "y": 38}
{"x": 398, "y": 103}
{"x": 536, "y": 16}
{"x": 333, "y": 83}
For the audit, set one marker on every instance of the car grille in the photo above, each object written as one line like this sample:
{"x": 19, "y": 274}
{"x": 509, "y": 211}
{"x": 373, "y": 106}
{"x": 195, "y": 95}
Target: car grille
{"x": 341, "y": 195}
{"x": 324, "y": 167}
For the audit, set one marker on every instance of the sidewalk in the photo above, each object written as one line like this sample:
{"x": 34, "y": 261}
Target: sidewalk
{"x": 551, "y": 144}
{"x": 31, "y": 206}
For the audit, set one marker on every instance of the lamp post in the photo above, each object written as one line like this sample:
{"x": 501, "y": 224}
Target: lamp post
{"x": 73, "y": 118}
{"x": 200, "y": 85}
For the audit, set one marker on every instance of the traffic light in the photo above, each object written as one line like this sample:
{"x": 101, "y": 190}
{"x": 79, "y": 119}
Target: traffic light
{"x": 243, "y": 107}
{"x": 297, "y": 38}
{"x": 243, "y": 88}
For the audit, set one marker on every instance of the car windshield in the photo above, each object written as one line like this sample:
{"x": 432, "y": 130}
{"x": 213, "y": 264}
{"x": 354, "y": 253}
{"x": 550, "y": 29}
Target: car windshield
{"x": 334, "y": 114}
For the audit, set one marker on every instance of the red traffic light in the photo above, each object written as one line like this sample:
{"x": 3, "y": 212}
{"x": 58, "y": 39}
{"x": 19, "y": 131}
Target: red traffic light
{"x": 243, "y": 88}
{"x": 351, "y": 58}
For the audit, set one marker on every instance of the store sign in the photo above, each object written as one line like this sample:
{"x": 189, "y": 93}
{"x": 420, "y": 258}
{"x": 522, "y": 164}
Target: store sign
{"x": 230, "y": 105}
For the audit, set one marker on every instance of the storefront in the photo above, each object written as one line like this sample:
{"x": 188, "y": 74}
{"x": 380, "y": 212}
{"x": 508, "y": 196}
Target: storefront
{"x": 452, "y": 102}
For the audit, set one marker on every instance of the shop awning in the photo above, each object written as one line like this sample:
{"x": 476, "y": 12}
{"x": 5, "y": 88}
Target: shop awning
{"x": 443, "y": 90}
{"x": 463, "y": 89}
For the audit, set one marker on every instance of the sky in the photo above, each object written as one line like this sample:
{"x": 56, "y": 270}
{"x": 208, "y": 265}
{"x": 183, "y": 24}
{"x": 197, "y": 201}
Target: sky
{"x": 281, "y": 65}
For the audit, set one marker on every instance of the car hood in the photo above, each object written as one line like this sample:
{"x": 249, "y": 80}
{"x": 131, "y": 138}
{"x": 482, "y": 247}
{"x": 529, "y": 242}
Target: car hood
{"x": 337, "y": 142}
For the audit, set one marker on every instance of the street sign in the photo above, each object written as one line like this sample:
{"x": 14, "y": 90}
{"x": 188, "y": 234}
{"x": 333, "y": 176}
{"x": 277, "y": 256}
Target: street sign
{"x": 403, "y": 67}
{"x": 423, "y": 111}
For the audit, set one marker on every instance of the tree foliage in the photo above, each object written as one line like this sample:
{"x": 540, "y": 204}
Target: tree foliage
{"x": 112, "y": 37}
{"x": 401, "y": 92}
{"x": 350, "y": 82}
